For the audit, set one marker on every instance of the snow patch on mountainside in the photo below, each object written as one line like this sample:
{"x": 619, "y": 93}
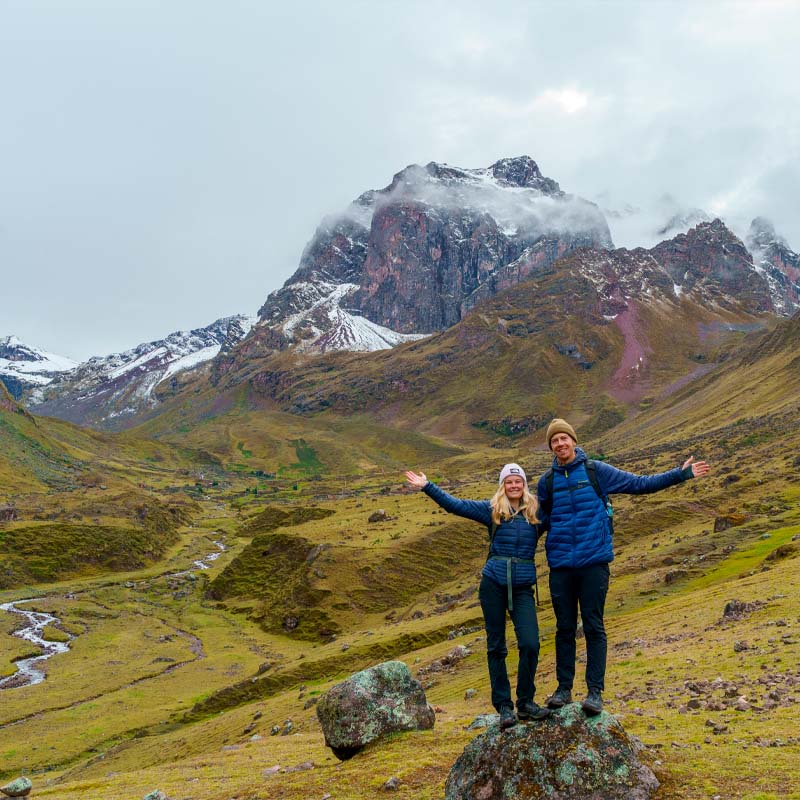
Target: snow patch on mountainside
{"x": 192, "y": 360}
{"x": 324, "y": 324}
{"x": 23, "y": 367}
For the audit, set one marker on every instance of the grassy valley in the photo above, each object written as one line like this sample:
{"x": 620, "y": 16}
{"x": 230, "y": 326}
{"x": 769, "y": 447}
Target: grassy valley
{"x": 200, "y": 679}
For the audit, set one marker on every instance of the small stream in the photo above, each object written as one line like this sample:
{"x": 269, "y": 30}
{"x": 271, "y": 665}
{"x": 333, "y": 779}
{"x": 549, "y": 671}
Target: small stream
{"x": 205, "y": 563}
{"x": 28, "y": 673}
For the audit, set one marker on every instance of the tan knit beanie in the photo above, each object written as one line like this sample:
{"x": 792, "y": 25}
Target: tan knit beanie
{"x": 560, "y": 426}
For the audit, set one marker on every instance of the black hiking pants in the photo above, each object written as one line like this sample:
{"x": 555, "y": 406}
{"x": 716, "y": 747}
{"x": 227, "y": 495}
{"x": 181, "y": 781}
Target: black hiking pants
{"x": 494, "y": 603}
{"x": 586, "y": 587}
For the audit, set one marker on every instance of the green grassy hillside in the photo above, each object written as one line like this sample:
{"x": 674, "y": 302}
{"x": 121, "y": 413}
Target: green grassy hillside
{"x": 183, "y": 666}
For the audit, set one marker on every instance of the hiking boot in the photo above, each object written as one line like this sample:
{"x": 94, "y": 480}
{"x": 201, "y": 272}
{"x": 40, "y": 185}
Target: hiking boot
{"x": 507, "y": 717}
{"x": 527, "y": 709}
{"x": 593, "y": 704}
{"x": 559, "y": 698}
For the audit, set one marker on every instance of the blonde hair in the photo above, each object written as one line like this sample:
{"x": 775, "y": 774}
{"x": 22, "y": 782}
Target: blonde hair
{"x": 501, "y": 507}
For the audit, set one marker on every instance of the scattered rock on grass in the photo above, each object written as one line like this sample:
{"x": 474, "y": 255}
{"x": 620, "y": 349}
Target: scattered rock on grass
{"x": 372, "y": 703}
{"x": 156, "y": 795}
{"x": 737, "y": 609}
{"x": 302, "y": 767}
{"x": 21, "y": 787}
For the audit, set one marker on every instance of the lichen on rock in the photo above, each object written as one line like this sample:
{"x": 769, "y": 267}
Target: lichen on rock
{"x": 370, "y": 704}
{"x": 567, "y": 756}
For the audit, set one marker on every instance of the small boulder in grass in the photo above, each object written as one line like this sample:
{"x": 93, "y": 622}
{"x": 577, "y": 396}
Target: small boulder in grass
{"x": 21, "y": 787}
{"x": 156, "y": 794}
{"x": 370, "y": 704}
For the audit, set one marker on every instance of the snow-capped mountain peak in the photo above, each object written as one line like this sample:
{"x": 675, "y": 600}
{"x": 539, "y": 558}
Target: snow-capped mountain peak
{"x": 23, "y": 367}
{"x": 377, "y": 274}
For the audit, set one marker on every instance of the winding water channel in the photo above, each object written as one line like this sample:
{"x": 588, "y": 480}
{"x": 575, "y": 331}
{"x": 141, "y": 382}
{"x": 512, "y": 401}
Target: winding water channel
{"x": 28, "y": 672}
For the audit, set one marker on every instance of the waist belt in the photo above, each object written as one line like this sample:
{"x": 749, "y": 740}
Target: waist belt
{"x": 509, "y": 561}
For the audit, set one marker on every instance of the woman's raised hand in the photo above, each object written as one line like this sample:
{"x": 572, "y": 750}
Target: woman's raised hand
{"x": 418, "y": 481}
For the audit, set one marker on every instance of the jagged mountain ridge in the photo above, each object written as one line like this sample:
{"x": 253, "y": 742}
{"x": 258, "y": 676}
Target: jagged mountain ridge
{"x": 412, "y": 258}
{"x": 777, "y": 262}
{"x": 24, "y": 368}
{"x": 105, "y": 391}
{"x": 593, "y": 334}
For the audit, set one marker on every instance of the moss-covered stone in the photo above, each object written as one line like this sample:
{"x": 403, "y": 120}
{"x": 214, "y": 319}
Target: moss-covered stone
{"x": 370, "y": 704}
{"x": 567, "y": 756}
{"x": 21, "y": 787}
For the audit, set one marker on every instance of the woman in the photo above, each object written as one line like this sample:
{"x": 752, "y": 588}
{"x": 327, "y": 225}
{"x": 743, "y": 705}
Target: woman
{"x": 506, "y": 583}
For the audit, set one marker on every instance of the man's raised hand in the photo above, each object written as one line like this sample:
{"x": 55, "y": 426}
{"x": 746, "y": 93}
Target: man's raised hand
{"x": 699, "y": 468}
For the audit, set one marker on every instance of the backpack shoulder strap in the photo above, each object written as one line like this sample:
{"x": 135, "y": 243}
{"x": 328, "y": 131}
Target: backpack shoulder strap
{"x": 493, "y": 526}
{"x": 548, "y": 484}
{"x": 591, "y": 472}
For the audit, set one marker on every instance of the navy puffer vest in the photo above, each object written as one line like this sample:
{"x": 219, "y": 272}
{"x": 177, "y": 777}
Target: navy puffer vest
{"x": 515, "y": 537}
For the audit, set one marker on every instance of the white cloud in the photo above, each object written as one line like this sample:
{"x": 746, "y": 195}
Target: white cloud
{"x": 569, "y": 100}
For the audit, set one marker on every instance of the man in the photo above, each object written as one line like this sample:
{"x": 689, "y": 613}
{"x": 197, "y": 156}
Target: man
{"x": 575, "y": 514}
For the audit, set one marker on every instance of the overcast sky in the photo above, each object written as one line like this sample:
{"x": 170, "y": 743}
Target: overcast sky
{"x": 163, "y": 162}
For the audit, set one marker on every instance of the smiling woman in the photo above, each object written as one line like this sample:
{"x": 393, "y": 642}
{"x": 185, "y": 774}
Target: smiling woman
{"x": 506, "y": 583}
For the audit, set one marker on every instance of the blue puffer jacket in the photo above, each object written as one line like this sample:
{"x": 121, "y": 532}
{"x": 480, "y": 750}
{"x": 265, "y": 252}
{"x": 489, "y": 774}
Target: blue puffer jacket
{"x": 515, "y": 537}
{"x": 578, "y": 527}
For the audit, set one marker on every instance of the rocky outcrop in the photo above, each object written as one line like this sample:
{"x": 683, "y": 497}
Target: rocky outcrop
{"x": 370, "y": 704}
{"x": 777, "y": 262}
{"x": 414, "y": 257}
{"x": 567, "y": 756}
{"x": 712, "y": 260}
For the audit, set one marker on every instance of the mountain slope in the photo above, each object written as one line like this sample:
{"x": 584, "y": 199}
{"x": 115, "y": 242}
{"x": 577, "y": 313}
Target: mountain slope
{"x": 596, "y": 334}
{"x": 754, "y": 395}
{"x": 412, "y": 258}
{"x": 24, "y": 368}
{"x": 106, "y": 391}
{"x": 593, "y": 334}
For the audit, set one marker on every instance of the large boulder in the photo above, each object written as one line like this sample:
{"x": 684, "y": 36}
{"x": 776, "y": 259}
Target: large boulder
{"x": 567, "y": 756}
{"x": 21, "y": 787}
{"x": 372, "y": 703}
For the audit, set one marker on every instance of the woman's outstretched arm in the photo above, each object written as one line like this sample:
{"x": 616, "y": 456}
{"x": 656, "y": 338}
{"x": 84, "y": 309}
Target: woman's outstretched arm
{"x": 478, "y": 510}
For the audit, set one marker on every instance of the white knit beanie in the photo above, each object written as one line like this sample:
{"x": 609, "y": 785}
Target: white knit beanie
{"x": 512, "y": 469}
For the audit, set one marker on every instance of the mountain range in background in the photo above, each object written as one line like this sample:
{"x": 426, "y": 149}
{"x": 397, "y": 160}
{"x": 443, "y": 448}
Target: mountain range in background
{"x": 105, "y": 391}
{"x": 426, "y": 255}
